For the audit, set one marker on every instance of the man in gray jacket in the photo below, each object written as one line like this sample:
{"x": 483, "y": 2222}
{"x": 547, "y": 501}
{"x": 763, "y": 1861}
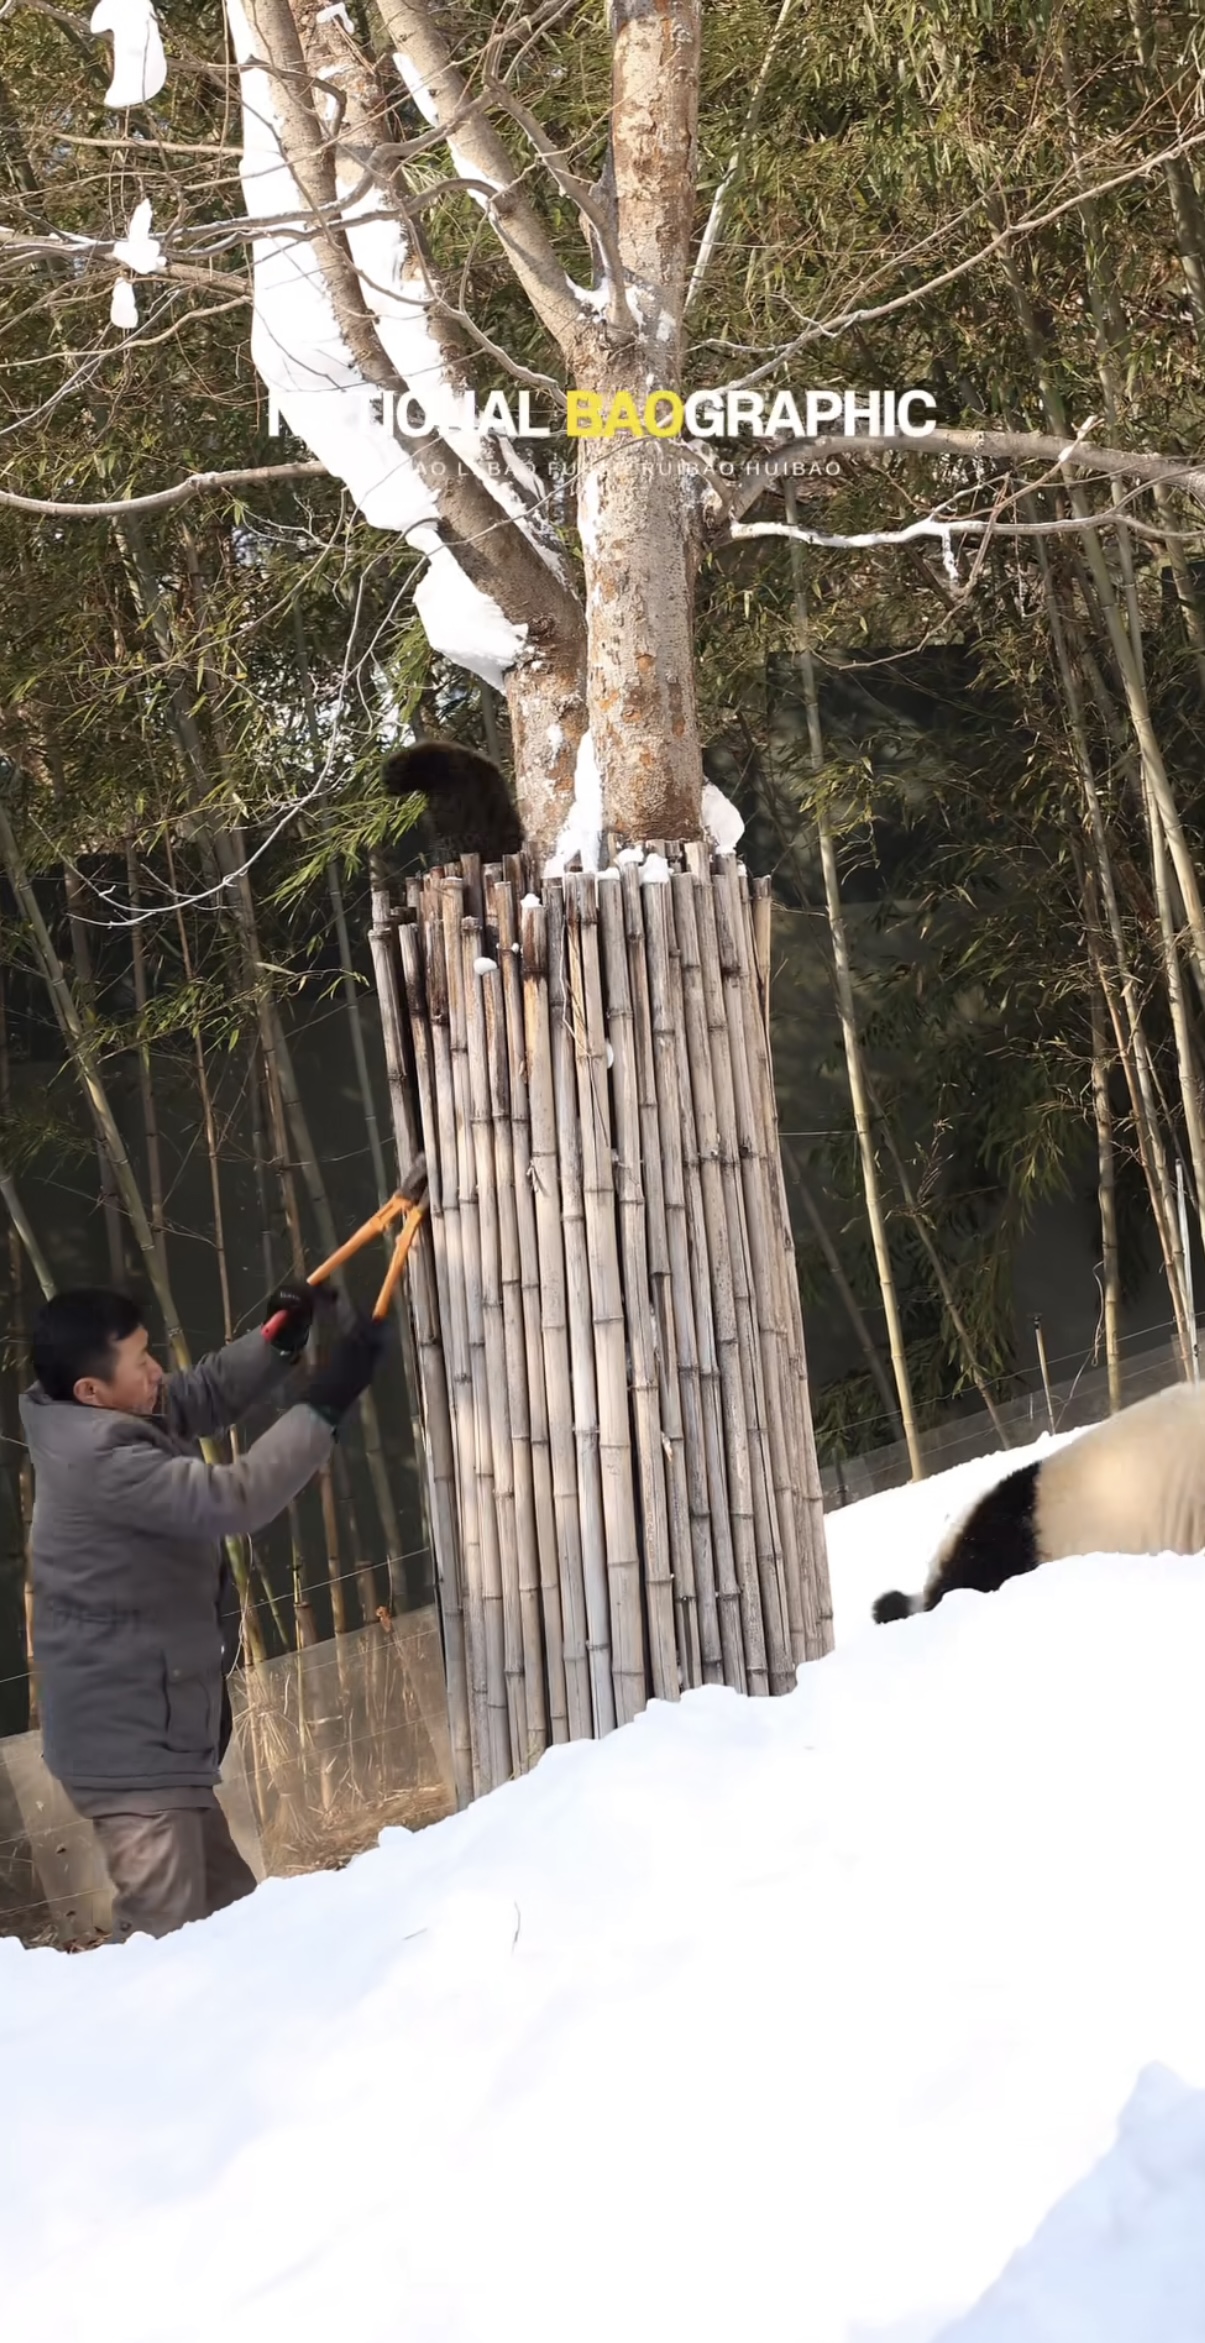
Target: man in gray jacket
{"x": 127, "y": 1573}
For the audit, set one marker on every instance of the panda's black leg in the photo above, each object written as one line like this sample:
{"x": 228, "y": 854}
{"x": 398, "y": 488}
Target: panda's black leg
{"x": 998, "y": 1541}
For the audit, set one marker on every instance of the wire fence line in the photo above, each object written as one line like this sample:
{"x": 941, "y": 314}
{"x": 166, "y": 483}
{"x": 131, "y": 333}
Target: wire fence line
{"x": 331, "y": 1745}
{"x": 1075, "y": 1401}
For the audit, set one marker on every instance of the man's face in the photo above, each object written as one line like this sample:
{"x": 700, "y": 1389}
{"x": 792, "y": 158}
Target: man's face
{"x": 132, "y": 1381}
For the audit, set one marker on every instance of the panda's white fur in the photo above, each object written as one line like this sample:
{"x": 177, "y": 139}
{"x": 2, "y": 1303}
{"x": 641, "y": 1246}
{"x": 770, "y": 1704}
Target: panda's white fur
{"x": 1132, "y": 1485}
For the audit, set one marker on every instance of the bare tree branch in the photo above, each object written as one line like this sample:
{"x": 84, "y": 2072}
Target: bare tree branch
{"x": 197, "y": 484}
{"x": 1014, "y": 447}
{"x": 446, "y": 102}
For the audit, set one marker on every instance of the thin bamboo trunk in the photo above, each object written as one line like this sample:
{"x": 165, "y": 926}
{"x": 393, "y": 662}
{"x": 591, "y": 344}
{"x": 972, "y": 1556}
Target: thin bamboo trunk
{"x": 940, "y": 1275}
{"x": 84, "y": 1060}
{"x": 550, "y": 1299}
{"x": 359, "y": 1053}
{"x": 1131, "y": 1041}
{"x": 605, "y": 1306}
{"x": 1126, "y": 653}
{"x": 496, "y": 1422}
{"x": 773, "y": 1501}
{"x": 846, "y": 1294}
{"x": 20, "y": 1243}
{"x": 438, "y": 1286}
{"x": 721, "y": 1642}
{"x": 583, "y": 1366}
{"x": 497, "y": 1718}
{"x": 847, "y": 1012}
{"x": 146, "y": 1086}
{"x": 85, "y": 993}
{"x": 514, "y": 1349}
{"x": 693, "y": 1561}
{"x": 531, "y": 1422}
{"x": 761, "y": 1636}
{"x": 727, "y": 909}
{"x": 754, "y": 946}
{"x": 665, "y": 1544}
{"x": 1107, "y": 1194}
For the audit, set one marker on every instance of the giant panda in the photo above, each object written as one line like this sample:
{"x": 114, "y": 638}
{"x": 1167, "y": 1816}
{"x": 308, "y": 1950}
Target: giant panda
{"x": 469, "y": 808}
{"x": 1132, "y": 1485}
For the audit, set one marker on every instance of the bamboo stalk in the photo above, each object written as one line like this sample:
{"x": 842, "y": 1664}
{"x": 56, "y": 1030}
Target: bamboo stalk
{"x": 685, "y": 1465}
{"x": 526, "y": 1526}
{"x": 581, "y": 1348}
{"x": 865, "y": 1338}
{"x": 450, "y": 1553}
{"x": 496, "y": 1386}
{"x": 628, "y": 1670}
{"x": 423, "y": 969}
{"x": 1132, "y": 1047}
{"x": 941, "y": 1278}
{"x": 762, "y": 1625}
{"x": 85, "y": 993}
{"x": 726, "y": 978}
{"x": 657, "y": 1548}
{"x": 146, "y": 1086}
{"x": 20, "y": 1247}
{"x": 531, "y": 1381}
{"x": 818, "y": 1604}
{"x": 570, "y": 1502}
{"x": 721, "y": 1647}
{"x": 452, "y": 896}
{"x": 83, "y": 1058}
{"x": 1107, "y": 1194}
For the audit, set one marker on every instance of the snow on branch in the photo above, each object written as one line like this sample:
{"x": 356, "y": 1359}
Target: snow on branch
{"x": 139, "y": 64}
{"x": 944, "y": 528}
{"x": 320, "y": 386}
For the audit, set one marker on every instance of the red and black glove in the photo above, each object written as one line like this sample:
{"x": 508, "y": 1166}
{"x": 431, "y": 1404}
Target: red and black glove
{"x": 294, "y": 1305}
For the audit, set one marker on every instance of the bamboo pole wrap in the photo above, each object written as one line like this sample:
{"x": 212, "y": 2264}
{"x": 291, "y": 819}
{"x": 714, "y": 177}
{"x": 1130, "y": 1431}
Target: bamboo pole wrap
{"x": 625, "y": 1496}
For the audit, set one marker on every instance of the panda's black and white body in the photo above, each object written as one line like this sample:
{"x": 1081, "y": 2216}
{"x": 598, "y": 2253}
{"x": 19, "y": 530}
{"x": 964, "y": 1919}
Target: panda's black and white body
{"x": 1133, "y": 1485}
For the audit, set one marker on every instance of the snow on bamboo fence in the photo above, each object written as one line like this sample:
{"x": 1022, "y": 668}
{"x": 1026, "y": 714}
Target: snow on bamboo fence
{"x": 621, "y": 1474}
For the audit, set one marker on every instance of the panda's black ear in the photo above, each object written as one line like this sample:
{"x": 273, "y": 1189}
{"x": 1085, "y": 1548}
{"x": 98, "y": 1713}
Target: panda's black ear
{"x": 892, "y": 1606}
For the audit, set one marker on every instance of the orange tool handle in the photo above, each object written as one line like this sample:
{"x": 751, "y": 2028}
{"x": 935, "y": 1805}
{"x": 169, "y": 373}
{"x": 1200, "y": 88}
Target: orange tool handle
{"x": 398, "y": 1263}
{"x": 375, "y": 1227}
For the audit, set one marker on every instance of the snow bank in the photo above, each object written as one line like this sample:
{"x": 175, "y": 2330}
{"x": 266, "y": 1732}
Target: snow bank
{"x": 302, "y": 357}
{"x": 1122, "y": 2259}
{"x": 810, "y": 2018}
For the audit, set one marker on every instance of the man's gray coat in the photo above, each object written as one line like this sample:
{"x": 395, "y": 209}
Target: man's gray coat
{"x": 126, "y": 1561}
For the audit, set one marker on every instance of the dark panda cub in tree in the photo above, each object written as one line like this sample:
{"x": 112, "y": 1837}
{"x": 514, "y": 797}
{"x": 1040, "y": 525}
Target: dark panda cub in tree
{"x": 469, "y": 808}
{"x": 1132, "y": 1485}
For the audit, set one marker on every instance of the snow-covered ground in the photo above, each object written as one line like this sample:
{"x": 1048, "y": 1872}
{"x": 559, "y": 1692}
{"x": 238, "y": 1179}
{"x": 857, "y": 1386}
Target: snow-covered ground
{"x": 871, "y": 2015}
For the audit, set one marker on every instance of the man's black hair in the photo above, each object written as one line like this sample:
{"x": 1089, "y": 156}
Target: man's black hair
{"x": 74, "y": 1334}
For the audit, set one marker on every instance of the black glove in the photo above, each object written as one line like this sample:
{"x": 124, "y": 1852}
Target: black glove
{"x": 337, "y": 1383}
{"x": 297, "y": 1304}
